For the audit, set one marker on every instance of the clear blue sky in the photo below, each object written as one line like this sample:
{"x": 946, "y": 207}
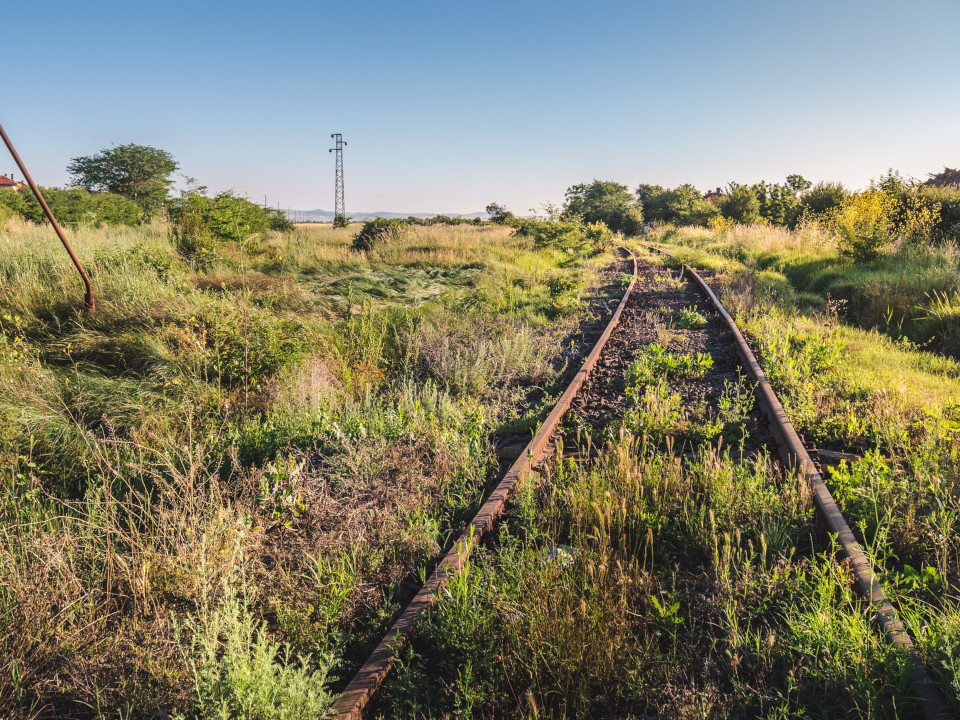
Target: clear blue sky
{"x": 449, "y": 106}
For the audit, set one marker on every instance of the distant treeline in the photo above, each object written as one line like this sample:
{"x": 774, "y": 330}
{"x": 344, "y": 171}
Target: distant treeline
{"x": 900, "y": 205}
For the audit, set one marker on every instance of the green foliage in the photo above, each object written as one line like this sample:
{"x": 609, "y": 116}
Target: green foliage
{"x": 247, "y": 348}
{"x": 605, "y": 202}
{"x": 689, "y": 319}
{"x": 684, "y": 205}
{"x": 201, "y": 223}
{"x": 864, "y": 223}
{"x": 376, "y": 232}
{"x": 280, "y": 222}
{"x": 569, "y": 235}
{"x": 499, "y": 215}
{"x": 948, "y": 224}
{"x": 73, "y": 207}
{"x": 239, "y": 672}
{"x": 740, "y": 204}
{"x": 655, "y": 410}
{"x": 138, "y": 172}
{"x": 341, "y": 221}
{"x": 654, "y": 363}
{"x": 822, "y": 198}
{"x": 779, "y": 204}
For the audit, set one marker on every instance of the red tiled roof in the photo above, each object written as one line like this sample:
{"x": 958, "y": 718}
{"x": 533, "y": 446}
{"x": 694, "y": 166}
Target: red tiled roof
{"x": 7, "y": 182}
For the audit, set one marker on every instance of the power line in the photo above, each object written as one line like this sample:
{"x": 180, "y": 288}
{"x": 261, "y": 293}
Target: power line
{"x": 339, "y": 208}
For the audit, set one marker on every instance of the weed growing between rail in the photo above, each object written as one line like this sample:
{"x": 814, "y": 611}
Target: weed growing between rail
{"x": 894, "y": 405}
{"x": 639, "y": 585}
{"x": 217, "y": 490}
{"x": 670, "y": 573}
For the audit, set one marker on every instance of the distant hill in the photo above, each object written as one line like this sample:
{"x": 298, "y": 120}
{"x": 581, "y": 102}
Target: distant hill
{"x": 327, "y": 215}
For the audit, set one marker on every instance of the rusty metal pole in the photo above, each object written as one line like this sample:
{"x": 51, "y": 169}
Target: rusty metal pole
{"x": 90, "y": 301}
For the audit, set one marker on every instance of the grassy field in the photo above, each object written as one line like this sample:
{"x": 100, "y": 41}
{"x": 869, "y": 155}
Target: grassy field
{"x": 216, "y": 491}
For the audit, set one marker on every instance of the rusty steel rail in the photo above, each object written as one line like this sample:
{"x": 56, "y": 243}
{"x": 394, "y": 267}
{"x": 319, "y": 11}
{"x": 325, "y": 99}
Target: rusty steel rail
{"x": 89, "y": 301}
{"x": 372, "y": 673}
{"x": 794, "y": 454}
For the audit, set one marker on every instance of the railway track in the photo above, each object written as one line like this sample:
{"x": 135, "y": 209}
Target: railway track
{"x": 372, "y": 673}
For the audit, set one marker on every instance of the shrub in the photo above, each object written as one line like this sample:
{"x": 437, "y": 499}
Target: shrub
{"x": 562, "y": 234}
{"x": 201, "y": 222}
{"x": 740, "y": 205}
{"x": 280, "y": 222}
{"x": 598, "y": 235}
{"x": 73, "y": 207}
{"x": 948, "y": 198}
{"x": 374, "y": 232}
{"x": 239, "y": 672}
{"x": 823, "y": 198}
{"x": 864, "y": 223}
{"x": 341, "y": 221}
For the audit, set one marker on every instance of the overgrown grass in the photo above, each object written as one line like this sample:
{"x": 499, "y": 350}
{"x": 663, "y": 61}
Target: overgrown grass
{"x": 877, "y": 394}
{"x": 652, "y": 580}
{"x": 910, "y": 291}
{"x": 263, "y": 450}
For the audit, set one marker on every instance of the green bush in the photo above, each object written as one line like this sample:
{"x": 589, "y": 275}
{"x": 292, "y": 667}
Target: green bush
{"x": 569, "y": 235}
{"x": 864, "y": 223}
{"x": 201, "y": 222}
{"x": 73, "y": 207}
{"x": 605, "y": 202}
{"x": 823, "y": 198}
{"x": 249, "y": 351}
{"x": 948, "y": 222}
{"x": 684, "y": 205}
{"x": 375, "y": 232}
{"x": 740, "y": 204}
{"x": 280, "y": 222}
{"x": 239, "y": 672}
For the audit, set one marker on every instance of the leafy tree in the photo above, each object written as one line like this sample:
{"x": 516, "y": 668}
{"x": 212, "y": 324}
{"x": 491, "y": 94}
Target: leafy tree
{"x": 798, "y": 183}
{"x": 684, "y": 205}
{"x": 341, "y": 221}
{"x": 138, "y": 172}
{"x": 607, "y": 202}
{"x": 499, "y": 214}
{"x": 645, "y": 193}
{"x": 779, "y": 204}
{"x": 824, "y": 197}
{"x": 740, "y": 204}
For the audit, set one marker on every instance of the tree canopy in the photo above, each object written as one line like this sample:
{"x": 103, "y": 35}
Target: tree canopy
{"x": 740, "y": 204}
{"x": 607, "y": 202}
{"x": 499, "y": 214}
{"x": 138, "y": 172}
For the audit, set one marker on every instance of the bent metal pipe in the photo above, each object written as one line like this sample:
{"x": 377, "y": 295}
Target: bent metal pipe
{"x": 90, "y": 301}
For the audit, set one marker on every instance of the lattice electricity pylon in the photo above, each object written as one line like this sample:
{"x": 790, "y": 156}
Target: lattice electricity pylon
{"x": 339, "y": 208}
